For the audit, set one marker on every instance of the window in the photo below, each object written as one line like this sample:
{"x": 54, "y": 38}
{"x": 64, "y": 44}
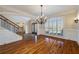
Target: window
{"x": 54, "y": 26}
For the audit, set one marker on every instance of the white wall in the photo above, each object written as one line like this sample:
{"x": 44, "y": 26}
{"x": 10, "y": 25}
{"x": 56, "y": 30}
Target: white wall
{"x": 29, "y": 26}
{"x": 8, "y": 36}
{"x": 71, "y": 29}
{"x": 40, "y": 29}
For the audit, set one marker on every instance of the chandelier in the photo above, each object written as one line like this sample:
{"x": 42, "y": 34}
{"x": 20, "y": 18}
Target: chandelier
{"x": 41, "y": 19}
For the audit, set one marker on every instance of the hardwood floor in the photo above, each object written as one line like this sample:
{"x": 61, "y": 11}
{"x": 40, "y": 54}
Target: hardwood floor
{"x": 45, "y": 45}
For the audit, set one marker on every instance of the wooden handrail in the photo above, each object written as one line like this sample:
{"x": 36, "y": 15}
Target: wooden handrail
{"x": 20, "y": 30}
{"x": 9, "y": 21}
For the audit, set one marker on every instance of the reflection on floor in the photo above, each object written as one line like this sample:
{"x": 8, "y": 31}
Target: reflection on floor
{"x": 44, "y": 45}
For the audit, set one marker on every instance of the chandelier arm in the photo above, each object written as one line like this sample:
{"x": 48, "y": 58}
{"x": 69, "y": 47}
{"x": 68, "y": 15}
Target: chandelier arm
{"x": 38, "y": 21}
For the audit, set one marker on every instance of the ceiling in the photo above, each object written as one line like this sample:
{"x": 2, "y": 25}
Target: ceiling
{"x": 36, "y": 9}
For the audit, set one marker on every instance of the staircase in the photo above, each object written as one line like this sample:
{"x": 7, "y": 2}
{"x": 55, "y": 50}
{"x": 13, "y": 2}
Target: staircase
{"x": 8, "y": 24}
{"x": 10, "y": 31}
